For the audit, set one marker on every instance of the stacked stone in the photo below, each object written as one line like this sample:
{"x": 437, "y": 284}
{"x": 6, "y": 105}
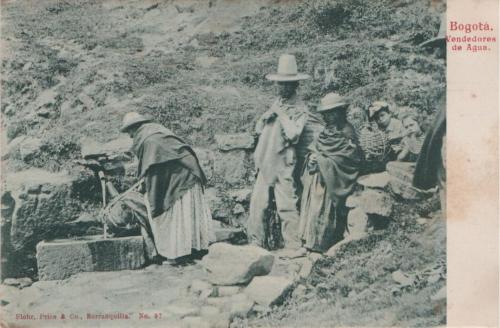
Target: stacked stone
{"x": 242, "y": 281}
{"x": 230, "y": 172}
{"x": 373, "y": 204}
{"x": 400, "y": 181}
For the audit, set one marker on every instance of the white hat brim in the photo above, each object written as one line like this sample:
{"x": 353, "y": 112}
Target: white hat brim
{"x": 287, "y": 78}
{"x": 124, "y": 128}
{"x": 331, "y": 107}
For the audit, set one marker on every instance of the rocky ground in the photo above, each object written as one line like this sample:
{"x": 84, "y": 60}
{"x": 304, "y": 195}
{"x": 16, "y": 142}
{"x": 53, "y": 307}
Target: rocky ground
{"x": 71, "y": 69}
{"x": 385, "y": 278}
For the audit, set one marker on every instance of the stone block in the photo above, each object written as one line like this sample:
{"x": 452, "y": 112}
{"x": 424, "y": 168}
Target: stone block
{"x": 230, "y": 166}
{"x": 268, "y": 290}
{"x": 241, "y": 309}
{"x": 376, "y": 202}
{"x": 352, "y": 201}
{"x": 357, "y": 221}
{"x": 228, "y": 234}
{"x": 199, "y": 287}
{"x": 117, "y": 147}
{"x": 376, "y": 180}
{"x": 59, "y": 259}
{"x": 231, "y": 265}
{"x": 227, "y": 291}
{"x": 306, "y": 269}
{"x": 401, "y": 170}
{"x": 406, "y": 190}
{"x": 37, "y": 205}
{"x": 227, "y": 142}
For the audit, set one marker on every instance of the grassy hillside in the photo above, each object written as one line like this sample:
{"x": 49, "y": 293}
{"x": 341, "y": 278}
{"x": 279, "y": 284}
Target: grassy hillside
{"x": 71, "y": 69}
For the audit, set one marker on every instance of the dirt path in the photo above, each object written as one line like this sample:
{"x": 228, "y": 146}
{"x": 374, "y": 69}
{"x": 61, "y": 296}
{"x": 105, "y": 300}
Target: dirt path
{"x": 153, "y": 290}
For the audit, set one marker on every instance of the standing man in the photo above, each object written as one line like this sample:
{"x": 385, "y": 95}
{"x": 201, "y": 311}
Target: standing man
{"x": 279, "y": 130}
{"x": 431, "y": 164}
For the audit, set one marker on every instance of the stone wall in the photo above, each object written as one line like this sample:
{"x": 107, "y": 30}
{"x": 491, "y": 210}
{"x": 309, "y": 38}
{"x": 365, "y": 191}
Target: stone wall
{"x": 41, "y": 205}
{"x": 36, "y": 205}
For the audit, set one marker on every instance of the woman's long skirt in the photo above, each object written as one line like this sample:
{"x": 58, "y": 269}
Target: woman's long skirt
{"x": 322, "y": 224}
{"x": 184, "y": 226}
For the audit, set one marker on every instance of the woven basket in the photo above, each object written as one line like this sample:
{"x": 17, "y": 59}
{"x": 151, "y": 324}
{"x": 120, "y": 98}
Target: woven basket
{"x": 374, "y": 143}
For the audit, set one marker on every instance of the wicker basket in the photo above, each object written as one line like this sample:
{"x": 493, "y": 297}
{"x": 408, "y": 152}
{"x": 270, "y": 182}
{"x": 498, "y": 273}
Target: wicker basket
{"x": 373, "y": 142}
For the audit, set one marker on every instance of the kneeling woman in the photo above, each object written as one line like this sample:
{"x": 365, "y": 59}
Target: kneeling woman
{"x": 329, "y": 176}
{"x": 178, "y": 213}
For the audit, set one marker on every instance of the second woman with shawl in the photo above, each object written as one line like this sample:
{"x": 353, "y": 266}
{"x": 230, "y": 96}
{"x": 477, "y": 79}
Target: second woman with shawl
{"x": 329, "y": 176}
{"x": 178, "y": 213}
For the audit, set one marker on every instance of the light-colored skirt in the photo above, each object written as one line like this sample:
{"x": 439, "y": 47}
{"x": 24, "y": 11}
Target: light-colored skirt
{"x": 185, "y": 226}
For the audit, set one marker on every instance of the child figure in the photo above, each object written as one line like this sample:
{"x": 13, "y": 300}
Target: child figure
{"x": 412, "y": 142}
{"x": 392, "y": 127}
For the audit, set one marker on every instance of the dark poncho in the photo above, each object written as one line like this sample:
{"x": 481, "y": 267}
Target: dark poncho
{"x": 429, "y": 160}
{"x": 338, "y": 161}
{"x": 169, "y": 166}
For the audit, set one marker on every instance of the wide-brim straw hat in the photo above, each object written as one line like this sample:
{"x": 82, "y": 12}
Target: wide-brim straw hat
{"x": 287, "y": 70}
{"x": 376, "y": 107}
{"x": 330, "y": 102}
{"x": 131, "y": 119}
{"x": 440, "y": 39}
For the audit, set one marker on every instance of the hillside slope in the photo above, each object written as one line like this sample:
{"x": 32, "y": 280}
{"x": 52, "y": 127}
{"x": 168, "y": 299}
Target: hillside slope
{"x": 71, "y": 69}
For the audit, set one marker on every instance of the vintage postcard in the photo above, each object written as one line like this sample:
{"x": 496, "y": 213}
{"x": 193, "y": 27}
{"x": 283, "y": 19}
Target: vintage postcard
{"x": 263, "y": 163}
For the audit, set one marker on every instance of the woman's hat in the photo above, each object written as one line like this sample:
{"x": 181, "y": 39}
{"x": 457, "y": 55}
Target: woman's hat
{"x": 287, "y": 70}
{"x": 376, "y": 107}
{"x": 440, "y": 39}
{"x": 331, "y": 101}
{"x": 132, "y": 118}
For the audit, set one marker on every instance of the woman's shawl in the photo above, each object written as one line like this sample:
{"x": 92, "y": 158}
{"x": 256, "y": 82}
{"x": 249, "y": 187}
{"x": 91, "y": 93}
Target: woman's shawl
{"x": 429, "y": 160}
{"x": 338, "y": 161}
{"x": 170, "y": 166}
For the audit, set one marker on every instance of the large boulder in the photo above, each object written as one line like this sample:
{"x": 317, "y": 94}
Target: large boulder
{"x": 36, "y": 205}
{"x": 406, "y": 191}
{"x": 228, "y": 234}
{"x": 375, "y": 201}
{"x": 231, "y": 265}
{"x": 116, "y": 147}
{"x": 401, "y": 170}
{"x": 269, "y": 290}
{"x": 375, "y": 180}
{"x": 357, "y": 221}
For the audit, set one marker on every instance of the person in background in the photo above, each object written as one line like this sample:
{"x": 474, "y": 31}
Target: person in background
{"x": 279, "y": 130}
{"x": 178, "y": 213}
{"x": 392, "y": 127}
{"x": 332, "y": 168}
{"x": 430, "y": 170}
{"x": 410, "y": 146}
